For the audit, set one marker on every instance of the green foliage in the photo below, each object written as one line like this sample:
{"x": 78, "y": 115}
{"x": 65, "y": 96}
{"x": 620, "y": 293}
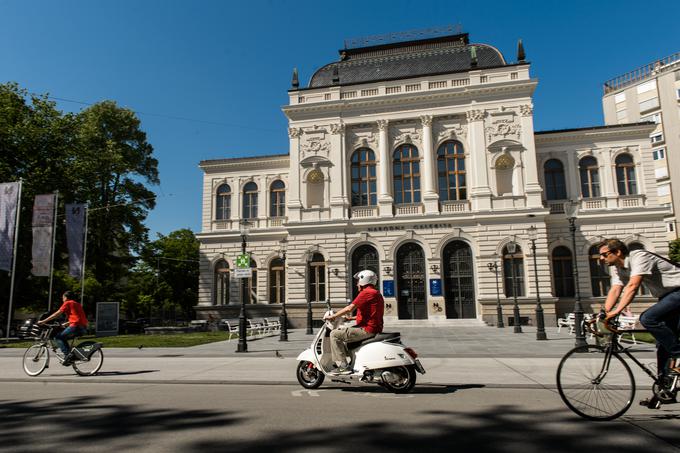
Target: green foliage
{"x": 674, "y": 250}
{"x": 98, "y": 156}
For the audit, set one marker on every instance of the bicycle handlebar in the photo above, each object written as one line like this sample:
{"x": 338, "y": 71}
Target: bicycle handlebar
{"x": 609, "y": 324}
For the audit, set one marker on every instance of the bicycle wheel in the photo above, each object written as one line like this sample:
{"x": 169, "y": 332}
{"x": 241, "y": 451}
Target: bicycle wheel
{"x": 35, "y": 359}
{"x": 92, "y": 365}
{"x": 595, "y": 385}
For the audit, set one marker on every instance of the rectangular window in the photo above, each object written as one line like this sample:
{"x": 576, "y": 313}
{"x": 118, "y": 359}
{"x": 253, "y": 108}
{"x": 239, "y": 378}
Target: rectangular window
{"x": 663, "y": 191}
{"x": 647, "y": 86}
{"x": 649, "y": 104}
{"x": 621, "y": 115}
{"x": 621, "y": 97}
{"x": 656, "y": 138}
{"x": 671, "y": 228}
{"x": 678, "y": 93}
{"x": 655, "y": 118}
{"x": 659, "y": 154}
{"x": 513, "y": 76}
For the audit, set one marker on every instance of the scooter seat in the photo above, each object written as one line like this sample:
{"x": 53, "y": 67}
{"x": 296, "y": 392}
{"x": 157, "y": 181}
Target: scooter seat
{"x": 385, "y": 336}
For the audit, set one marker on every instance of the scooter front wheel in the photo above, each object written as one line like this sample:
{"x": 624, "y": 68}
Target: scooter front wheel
{"x": 309, "y": 376}
{"x": 399, "y": 379}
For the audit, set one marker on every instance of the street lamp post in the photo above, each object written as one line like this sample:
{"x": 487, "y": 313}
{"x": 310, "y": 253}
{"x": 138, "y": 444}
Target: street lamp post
{"x": 532, "y": 233}
{"x": 244, "y": 227}
{"x": 571, "y": 208}
{"x": 493, "y": 267}
{"x": 512, "y": 248}
{"x": 283, "y": 317}
{"x": 309, "y": 303}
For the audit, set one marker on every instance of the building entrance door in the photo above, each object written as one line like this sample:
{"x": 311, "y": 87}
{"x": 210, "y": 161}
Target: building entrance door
{"x": 459, "y": 292}
{"x": 411, "y": 282}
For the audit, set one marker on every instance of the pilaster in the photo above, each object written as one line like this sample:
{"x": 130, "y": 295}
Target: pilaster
{"x": 430, "y": 197}
{"x": 480, "y": 193}
{"x": 533, "y": 188}
{"x": 384, "y": 198}
{"x": 293, "y": 202}
{"x": 338, "y": 186}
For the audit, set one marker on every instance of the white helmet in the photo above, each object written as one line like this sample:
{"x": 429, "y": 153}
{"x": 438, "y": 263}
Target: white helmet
{"x": 366, "y": 277}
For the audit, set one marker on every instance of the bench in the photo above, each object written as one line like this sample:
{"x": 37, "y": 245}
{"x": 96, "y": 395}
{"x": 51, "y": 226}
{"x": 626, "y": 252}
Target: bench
{"x": 628, "y": 323}
{"x": 199, "y": 325}
{"x": 230, "y": 325}
{"x": 568, "y": 321}
{"x": 273, "y": 325}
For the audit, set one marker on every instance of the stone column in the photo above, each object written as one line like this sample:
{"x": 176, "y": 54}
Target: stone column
{"x": 607, "y": 171}
{"x": 430, "y": 197}
{"x": 293, "y": 202}
{"x": 533, "y": 187}
{"x": 384, "y": 184}
{"x": 338, "y": 184}
{"x": 480, "y": 193}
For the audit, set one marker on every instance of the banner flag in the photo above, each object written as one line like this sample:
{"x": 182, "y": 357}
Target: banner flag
{"x": 75, "y": 233}
{"x": 43, "y": 218}
{"x": 9, "y": 199}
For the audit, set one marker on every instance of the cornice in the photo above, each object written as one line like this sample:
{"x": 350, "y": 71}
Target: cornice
{"x": 244, "y": 163}
{"x": 475, "y": 91}
{"x": 639, "y": 131}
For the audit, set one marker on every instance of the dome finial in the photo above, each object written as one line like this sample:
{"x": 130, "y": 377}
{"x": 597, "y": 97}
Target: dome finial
{"x": 521, "y": 56}
{"x": 473, "y": 57}
{"x": 295, "y": 83}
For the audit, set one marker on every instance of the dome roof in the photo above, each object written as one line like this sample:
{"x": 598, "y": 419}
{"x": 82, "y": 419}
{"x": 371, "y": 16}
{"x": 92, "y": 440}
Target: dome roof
{"x": 406, "y": 60}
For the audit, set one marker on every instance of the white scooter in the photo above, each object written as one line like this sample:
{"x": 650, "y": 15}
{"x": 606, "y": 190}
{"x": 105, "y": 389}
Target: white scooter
{"x": 383, "y": 360}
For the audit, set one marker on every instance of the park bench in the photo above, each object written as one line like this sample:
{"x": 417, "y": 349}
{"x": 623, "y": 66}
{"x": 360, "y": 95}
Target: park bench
{"x": 568, "y": 321}
{"x": 628, "y": 323}
{"x": 199, "y": 325}
{"x": 273, "y": 325}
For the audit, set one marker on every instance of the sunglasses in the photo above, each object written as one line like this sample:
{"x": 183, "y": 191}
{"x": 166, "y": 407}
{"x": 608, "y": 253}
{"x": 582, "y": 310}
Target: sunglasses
{"x": 605, "y": 254}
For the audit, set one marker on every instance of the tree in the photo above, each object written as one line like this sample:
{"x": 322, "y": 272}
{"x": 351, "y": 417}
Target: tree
{"x": 674, "y": 250}
{"x": 99, "y": 156}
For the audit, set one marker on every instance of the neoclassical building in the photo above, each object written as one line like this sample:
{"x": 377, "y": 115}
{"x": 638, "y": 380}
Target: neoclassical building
{"x": 419, "y": 160}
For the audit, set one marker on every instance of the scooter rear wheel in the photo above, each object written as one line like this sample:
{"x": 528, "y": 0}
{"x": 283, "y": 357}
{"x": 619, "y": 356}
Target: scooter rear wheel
{"x": 309, "y": 376}
{"x": 403, "y": 379}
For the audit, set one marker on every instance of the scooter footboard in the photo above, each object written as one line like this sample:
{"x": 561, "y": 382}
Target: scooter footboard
{"x": 382, "y": 355}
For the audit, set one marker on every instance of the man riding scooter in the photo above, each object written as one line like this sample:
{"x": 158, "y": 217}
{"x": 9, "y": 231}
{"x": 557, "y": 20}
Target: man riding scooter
{"x": 369, "y": 319}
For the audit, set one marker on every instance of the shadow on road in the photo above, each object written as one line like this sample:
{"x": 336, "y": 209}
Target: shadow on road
{"x": 125, "y": 373}
{"x": 428, "y": 389}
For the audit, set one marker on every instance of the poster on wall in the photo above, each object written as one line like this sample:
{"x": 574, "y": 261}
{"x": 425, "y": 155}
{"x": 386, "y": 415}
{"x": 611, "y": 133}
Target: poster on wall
{"x": 107, "y": 318}
{"x": 435, "y": 287}
{"x": 388, "y": 288}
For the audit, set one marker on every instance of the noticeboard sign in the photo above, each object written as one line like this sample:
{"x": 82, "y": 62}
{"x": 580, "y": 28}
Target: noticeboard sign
{"x": 388, "y": 288}
{"x": 243, "y": 273}
{"x": 107, "y": 318}
{"x": 435, "y": 287}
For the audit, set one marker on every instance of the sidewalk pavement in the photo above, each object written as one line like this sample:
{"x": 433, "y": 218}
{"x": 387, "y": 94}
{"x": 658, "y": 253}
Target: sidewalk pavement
{"x": 485, "y": 356}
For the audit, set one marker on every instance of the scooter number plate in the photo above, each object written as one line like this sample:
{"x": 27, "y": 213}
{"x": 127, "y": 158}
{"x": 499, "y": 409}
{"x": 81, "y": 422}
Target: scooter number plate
{"x": 419, "y": 367}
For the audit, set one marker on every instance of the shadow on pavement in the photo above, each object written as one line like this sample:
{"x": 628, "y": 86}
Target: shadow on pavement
{"x": 83, "y": 421}
{"x": 125, "y": 373}
{"x": 427, "y": 389}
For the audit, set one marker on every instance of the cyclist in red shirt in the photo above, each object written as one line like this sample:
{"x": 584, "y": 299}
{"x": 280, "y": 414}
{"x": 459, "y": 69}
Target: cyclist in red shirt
{"x": 77, "y": 323}
{"x": 370, "y": 306}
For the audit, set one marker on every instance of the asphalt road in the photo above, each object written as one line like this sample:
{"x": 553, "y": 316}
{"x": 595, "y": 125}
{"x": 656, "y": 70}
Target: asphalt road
{"x": 164, "y": 417}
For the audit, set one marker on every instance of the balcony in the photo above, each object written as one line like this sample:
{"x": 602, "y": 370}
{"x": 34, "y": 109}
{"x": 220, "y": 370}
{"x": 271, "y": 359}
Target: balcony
{"x": 593, "y": 203}
{"x": 408, "y": 209}
{"x": 222, "y": 224}
{"x": 274, "y": 222}
{"x": 556, "y": 206}
{"x": 631, "y": 201}
{"x": 452, "y": 207}
{"x": 363, "y": 212}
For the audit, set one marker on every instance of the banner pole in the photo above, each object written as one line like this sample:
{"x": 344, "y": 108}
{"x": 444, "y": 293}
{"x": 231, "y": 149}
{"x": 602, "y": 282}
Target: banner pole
{"x": 14, "y": 260}
{"x": 82, "y": 273}
{"x": 54, "y": 240}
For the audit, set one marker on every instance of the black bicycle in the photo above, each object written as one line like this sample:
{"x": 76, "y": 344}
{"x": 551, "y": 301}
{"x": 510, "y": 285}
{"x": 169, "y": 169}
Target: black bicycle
{"x": 595, "y": 381}
{"x": 86, "y": 357}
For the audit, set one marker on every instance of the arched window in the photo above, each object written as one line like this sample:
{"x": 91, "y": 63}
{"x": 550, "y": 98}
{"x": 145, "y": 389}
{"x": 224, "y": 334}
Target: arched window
{"x": 590, "y": 177}
{"x": 277, "y": 205}
{"x": 563, "y": 272}
{"x": 250, "y": 201}
{"x": 364, "y": 178}
{"x": 406, "y": 175}
{"x": 277, "y": 281}
{"x": 516, "y": 262}
{"x": 364, "y": 257}
{"x": 555, "y": 186}
{"x": 625, "y": 175}
{"x": 451, "y": 171}
{"x": 221, "y": 280}
{"x": 316, "y": 275}
{"x": 600, "y": 281}
{"x": 223, "y": 202}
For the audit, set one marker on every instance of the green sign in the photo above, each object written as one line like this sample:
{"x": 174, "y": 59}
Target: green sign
{"x": 243, "y": 261}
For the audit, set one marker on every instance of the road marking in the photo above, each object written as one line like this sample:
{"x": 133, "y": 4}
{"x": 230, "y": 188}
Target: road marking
{"x": 308, "y": 392}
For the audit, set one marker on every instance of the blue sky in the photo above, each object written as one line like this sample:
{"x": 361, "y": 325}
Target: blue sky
{"x": 225, "y": 67}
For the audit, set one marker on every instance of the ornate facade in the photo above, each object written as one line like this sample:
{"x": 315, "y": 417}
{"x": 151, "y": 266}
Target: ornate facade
{"x": 419, "y": 160}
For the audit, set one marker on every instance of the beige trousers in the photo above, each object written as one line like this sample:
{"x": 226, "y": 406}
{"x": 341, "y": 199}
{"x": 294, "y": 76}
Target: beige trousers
{"x": 339, "y": 340}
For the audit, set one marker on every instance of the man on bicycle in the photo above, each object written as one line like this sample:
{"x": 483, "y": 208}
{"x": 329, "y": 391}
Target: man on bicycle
{"x": 77, "y": 323}
{"x": 662, "y": 279}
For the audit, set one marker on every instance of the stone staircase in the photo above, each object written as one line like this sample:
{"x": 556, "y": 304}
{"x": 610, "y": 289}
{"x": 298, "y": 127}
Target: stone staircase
{"x": 470, "y": 322}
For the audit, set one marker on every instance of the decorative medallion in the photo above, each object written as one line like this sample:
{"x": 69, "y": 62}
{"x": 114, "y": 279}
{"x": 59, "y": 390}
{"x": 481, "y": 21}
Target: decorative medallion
{"x": 315, "y": 176}
{"x": 505, "y": 162}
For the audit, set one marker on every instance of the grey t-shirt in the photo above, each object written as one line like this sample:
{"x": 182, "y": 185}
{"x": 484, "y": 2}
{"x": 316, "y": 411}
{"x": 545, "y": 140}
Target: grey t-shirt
{"x": 658, "y": 275}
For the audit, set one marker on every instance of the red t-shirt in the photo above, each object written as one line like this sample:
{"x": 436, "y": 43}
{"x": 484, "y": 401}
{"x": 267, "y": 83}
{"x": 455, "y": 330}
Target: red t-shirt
{"x": 74, "y": 312}
{"x": 370, "y": 308}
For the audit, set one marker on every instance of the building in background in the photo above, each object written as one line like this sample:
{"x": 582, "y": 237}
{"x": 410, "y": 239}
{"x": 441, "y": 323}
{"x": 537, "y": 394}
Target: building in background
{"x": 652, "y": 93}
{"x": 418, "y": 159}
